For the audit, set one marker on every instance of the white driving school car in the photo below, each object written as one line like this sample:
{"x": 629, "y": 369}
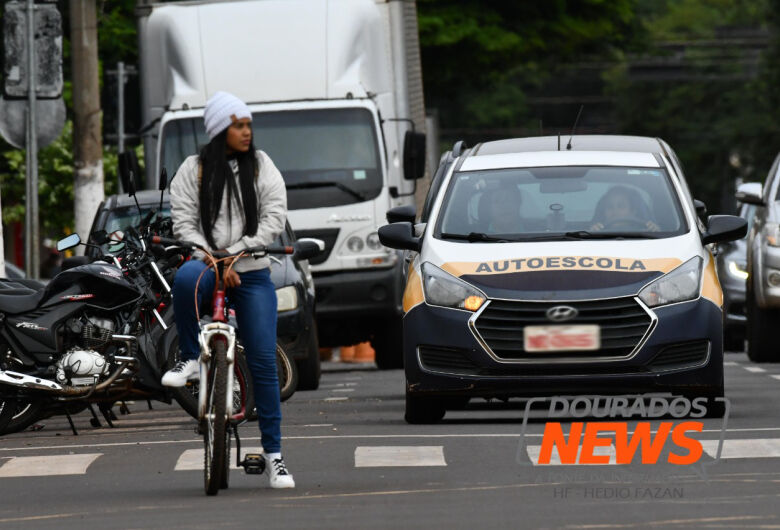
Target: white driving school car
{"x": 540, "y": 270}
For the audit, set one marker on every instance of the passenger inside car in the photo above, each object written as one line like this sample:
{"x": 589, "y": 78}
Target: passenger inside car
{"x": 500, "y": 208}
{"x": 622, "y": 208}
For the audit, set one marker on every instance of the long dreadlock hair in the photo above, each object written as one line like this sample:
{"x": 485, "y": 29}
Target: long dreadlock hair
{"x": 217, "y": 176}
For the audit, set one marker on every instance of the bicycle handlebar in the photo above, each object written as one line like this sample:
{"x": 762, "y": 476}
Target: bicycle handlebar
{"x": 256, "y": 252}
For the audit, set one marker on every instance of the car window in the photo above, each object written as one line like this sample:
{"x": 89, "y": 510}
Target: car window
{"x": 555, "y": 200}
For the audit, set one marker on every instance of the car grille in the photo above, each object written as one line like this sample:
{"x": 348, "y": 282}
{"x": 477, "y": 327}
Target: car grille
{"x": 622, "y": 321}
{"x": 681, "y": 355}
{"x": 327, "y": 235}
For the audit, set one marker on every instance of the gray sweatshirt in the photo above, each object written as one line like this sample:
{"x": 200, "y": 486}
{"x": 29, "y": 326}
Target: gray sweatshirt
{"x": 227, "y": 232}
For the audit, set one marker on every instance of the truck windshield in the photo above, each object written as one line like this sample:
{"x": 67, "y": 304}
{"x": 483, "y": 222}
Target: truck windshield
{"x": 561, "y": 203}
{"x": 328, "y": 157}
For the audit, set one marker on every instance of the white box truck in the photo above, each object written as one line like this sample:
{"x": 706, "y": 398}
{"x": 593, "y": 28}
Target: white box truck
{"x": 335, "y": 88}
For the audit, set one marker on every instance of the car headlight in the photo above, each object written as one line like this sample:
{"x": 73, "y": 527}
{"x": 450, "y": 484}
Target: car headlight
{"x": 738, "y": 270}
{"x": 287, "y": 298}
{"x": 681, "y": 284}
{"x": 443, "y": 289}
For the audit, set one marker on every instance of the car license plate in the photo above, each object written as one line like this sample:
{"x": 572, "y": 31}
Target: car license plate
{"x": 561, "y": 338}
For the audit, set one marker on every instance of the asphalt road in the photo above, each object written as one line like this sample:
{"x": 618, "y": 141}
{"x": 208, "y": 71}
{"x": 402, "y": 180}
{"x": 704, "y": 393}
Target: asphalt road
{"x": 357, "y": 464}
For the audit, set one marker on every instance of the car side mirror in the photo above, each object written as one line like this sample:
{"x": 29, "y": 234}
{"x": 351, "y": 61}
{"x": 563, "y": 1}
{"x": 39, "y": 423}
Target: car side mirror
{"x": 722, "y": 228}
{"x": 307, "y": 248}
{"x": 401, "y": 214}
{"x": 414, "y": 155}
{"x": 68, "y": 242}
{"x": 750, "y": 193}
{"x": 701, "y": 208}
{"x": 400, "y": 236}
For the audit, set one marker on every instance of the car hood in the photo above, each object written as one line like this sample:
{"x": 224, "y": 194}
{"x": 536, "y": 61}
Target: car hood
{"x": 570, "y": 270}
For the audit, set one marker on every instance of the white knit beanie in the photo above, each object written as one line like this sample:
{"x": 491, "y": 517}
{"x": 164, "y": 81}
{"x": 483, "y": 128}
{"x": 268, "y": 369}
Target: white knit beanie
{"x": 220, "y": 112}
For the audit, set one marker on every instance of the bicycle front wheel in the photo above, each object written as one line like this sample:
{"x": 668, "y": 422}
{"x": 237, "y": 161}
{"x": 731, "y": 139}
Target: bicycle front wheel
{"x": 215, "y": 430}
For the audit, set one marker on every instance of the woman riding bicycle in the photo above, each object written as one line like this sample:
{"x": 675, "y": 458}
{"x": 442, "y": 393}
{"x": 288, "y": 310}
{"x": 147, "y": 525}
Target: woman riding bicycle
{"x": 230, "y": 198}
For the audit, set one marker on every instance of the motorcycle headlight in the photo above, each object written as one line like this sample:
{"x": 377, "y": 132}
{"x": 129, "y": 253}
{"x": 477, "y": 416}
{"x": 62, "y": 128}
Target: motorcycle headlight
{"x": 443, "y": 289}
{"x": 287, "y": 298}
{"x": 681, "y": 284}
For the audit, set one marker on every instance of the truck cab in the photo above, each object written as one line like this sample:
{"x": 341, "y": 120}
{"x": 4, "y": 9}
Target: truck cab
{"x": 336, "y": 97}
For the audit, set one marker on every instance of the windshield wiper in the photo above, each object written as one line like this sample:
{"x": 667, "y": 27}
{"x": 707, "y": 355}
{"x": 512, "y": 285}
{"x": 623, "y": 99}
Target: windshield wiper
{"x": 327, "y": 184}
{"x": 480, "y": 236}
{"x": 584, "y": 234}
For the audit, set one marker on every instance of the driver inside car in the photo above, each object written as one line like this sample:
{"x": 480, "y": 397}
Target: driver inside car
{"x": 621, "y": 208}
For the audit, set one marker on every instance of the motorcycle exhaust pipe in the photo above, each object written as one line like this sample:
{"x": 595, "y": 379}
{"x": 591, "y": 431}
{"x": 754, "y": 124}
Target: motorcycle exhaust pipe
{"x": 18, "y": 380}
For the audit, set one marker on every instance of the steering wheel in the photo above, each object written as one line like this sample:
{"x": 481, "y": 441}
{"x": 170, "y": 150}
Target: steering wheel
{"x": 624, "y": 223}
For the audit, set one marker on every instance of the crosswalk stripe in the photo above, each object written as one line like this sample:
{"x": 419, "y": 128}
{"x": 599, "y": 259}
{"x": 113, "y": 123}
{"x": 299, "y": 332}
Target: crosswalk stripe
{"x": 754, "y": 369}
{"x": 753, "y": 448}
{"x": 192, "y": 459}
{"x": 40, "y": 466}
{"x": 400, "y": 456}
{"x": 730, "y": 363}
{"x": 775, "y": 376}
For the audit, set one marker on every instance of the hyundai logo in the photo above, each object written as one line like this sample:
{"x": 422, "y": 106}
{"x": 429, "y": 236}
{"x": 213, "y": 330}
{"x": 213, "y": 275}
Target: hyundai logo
{"x": 561, "y": 313}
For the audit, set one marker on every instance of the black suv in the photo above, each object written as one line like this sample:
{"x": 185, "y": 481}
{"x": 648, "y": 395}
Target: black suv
{"x": 296, "y": 329}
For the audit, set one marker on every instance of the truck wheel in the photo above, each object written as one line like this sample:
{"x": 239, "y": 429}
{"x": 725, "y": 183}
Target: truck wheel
{"x": 423, "y": 410}
{"x": 388, "y": 344}
{"x": 309, "y": 369}
{"x": 760, "y": 333}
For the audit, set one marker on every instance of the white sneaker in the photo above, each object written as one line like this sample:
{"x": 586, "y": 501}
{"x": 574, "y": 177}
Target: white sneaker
{"x": 182, "y": 372}
{"x": 277, "y": 472}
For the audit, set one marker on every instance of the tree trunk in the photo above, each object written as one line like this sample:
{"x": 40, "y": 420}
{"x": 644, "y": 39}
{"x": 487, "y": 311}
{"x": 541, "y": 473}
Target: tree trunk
{"x": 87, "y": 134}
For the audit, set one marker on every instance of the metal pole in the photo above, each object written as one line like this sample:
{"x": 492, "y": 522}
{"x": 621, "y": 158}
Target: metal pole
{"x": 33, "y": 239}
{"x": 120, "y": 96}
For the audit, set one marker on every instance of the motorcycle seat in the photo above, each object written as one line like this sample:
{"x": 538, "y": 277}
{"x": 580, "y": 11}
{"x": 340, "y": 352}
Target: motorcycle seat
{"x": 19, "y": 300}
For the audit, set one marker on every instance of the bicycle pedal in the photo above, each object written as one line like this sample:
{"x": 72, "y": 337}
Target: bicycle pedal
{"x": 253, "y": 464}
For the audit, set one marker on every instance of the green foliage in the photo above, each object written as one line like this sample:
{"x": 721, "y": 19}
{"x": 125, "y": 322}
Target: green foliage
{"x": 55, "y": 183}
{"x": 480, "y": 57}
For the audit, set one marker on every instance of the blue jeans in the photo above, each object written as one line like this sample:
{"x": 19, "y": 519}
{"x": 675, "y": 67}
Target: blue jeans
{"x": 255, "y": 303}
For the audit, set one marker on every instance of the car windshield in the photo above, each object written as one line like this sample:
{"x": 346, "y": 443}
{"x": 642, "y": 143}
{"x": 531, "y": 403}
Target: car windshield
{"x": 327, "y": 157}
{"x": 120, "y": 219}
{"x": 560, "y": 203}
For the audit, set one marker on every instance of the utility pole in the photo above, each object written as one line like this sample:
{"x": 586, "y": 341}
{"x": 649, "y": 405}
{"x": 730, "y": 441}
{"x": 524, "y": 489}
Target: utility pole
{"x": 32, "y": 258}
{"x": 88, "y": 189}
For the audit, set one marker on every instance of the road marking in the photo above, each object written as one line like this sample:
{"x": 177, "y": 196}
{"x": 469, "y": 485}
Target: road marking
{"x": 400, "y": 456}
{"x": 754, "y": 369}
{"x": 775, "y": 376}
{"x": 43, "y": 466}
{"x": 338, "y": 385}
{"x": 730, "y": 363}
{"x": 753, "y": 448}
{"x": 331, "y": 437}
{"x": 343, "y": 390}
{"x": 192, "y": 459}
{"x": 336, "y": 399}
{"x": 317, "y": 425}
